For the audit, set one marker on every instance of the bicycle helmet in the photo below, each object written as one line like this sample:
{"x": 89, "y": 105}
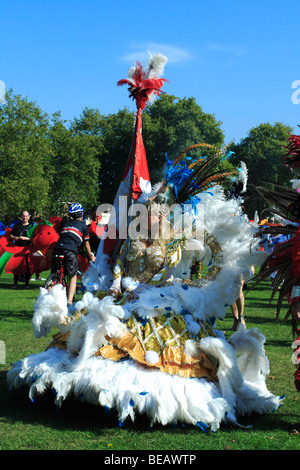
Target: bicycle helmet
{"x": 76, "y": 210}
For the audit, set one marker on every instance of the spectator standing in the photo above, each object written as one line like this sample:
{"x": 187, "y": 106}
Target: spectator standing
{"x": 20, "y": 237}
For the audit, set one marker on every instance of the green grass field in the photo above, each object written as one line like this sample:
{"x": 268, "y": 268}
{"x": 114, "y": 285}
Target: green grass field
{"x": 39, "y": 426}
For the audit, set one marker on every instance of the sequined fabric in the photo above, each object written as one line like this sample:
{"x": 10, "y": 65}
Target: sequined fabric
{"x": 165, "y": 335}
{"x": 143, "y": 261}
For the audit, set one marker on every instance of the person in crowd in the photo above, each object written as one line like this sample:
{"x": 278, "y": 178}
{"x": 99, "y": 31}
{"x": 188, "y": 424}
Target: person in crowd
{"x": 74, "y": 232}
{"x": 95, "y": 231}
{"x": 237, "y": 308}
{"x": 20, "y": 237}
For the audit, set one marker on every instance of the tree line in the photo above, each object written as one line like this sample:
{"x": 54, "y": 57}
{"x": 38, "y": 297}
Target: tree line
{"x": 46, "y": 162}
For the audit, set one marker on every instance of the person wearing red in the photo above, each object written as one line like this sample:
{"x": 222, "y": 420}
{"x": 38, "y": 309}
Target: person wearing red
{"x": 284, "y": 261}
{"x": 95, "y": 232}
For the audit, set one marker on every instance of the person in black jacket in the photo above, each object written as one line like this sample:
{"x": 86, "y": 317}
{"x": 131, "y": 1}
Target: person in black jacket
{"x": 74, "y": 233}
{"x": 20, "y": 237}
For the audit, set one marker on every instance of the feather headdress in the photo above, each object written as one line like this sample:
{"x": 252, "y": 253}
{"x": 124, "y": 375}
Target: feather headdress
{"x": 292, "y": 158}
{"x": 285, "y": 203}
{"x": 186, "y": 177}
{"x": 189, "y": 177}
{"x": 145, "y": 82}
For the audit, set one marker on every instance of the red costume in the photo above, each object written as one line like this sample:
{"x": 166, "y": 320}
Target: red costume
{"x": 45, "y": 236}
{"x": 285, "y": 258}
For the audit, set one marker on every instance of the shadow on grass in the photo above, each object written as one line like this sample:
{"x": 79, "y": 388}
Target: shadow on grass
{"x": 255, "y": 321}
{"x": 16, "y": 407}
{"x": 21, "y": 286}
{"x": 20, "y": 314}
{"x": 258, "y": 287}
{"x": 266, "y": 320}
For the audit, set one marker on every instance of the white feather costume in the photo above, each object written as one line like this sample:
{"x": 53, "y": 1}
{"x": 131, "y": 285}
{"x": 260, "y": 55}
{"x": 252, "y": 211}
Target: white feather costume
{"x": 130, "y": 387}
{"x": 155, "y": 351}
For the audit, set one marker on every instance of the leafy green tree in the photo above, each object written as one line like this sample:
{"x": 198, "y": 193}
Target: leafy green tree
{"x": 90, "y": 122}
{"x": 111, "y": 136}
{"x": 262, "y": 151}
{"x": 45, "y": 164}
{"x": 76, "y": 167}
{"x": 170, "y": 125}
{"x": 117, "y": 137}
{"x": 25, "y": 158}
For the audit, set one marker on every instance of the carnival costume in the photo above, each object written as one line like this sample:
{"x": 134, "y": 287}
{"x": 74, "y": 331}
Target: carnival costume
{"x": 284, "y": 261}
{"x": 153, "y": 348}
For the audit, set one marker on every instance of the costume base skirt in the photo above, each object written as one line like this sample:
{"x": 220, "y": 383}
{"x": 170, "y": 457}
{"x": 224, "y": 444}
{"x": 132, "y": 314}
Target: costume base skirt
{"x": 130, "y": 389}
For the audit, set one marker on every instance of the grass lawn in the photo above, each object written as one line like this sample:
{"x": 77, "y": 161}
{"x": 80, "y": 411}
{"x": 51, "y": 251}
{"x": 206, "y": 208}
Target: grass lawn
{"x": 39, "y": 426}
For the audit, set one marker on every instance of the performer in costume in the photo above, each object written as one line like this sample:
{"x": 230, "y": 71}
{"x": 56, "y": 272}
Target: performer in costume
{"x": 284, "y": 260}
{"x": 142, "y": 339}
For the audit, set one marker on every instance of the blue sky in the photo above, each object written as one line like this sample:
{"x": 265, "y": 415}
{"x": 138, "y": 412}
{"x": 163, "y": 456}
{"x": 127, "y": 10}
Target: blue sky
{"x": 238, "y": 59}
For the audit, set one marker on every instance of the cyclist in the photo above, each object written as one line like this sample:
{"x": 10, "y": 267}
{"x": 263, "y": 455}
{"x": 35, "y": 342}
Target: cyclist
{"x": 74, "y": 232}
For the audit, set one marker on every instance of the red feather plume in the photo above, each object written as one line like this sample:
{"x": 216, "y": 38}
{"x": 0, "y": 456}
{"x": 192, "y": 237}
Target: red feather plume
{"x": 292, "y": 159}
{"x": 141, "y": 87}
